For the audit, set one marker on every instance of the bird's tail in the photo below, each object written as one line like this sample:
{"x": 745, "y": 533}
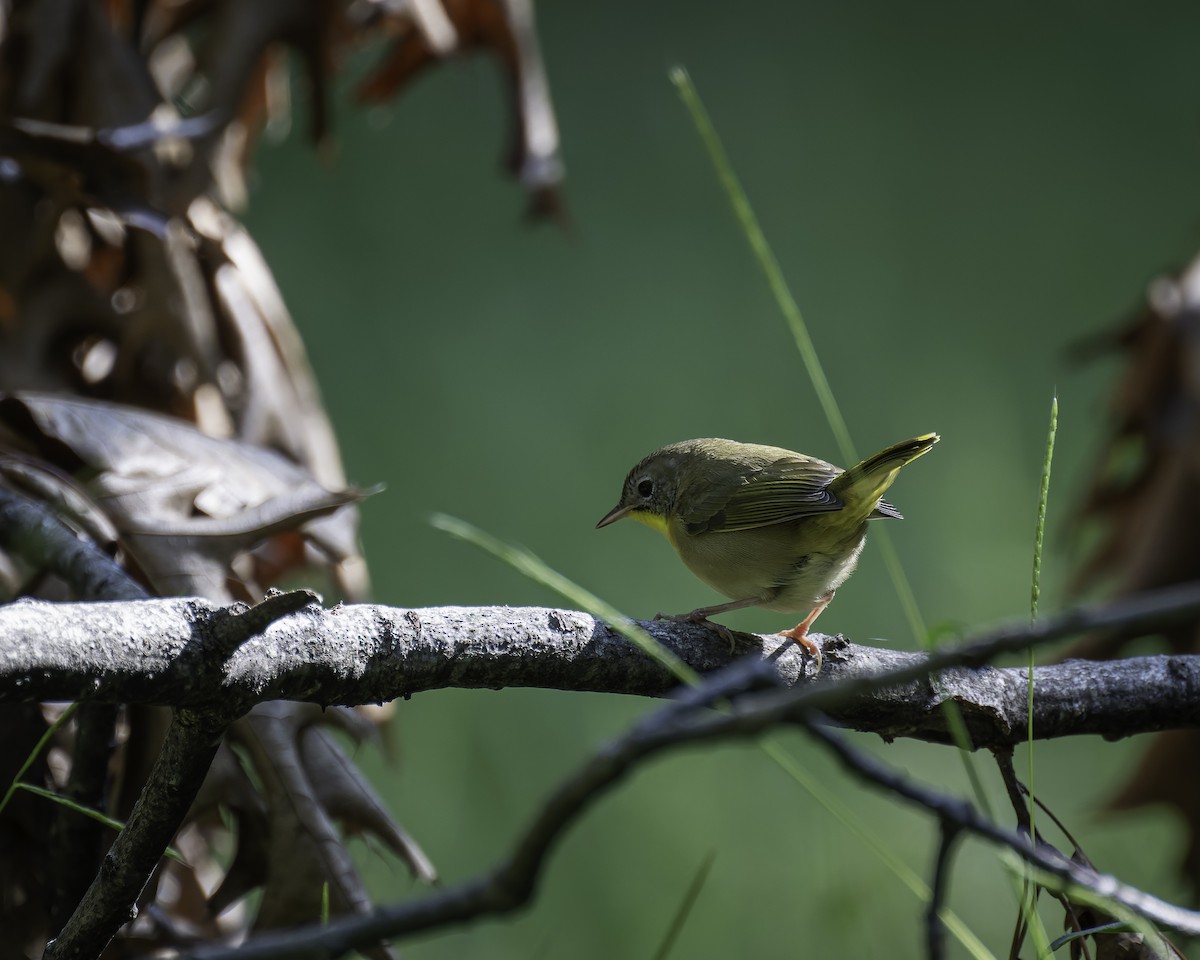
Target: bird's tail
{"x": 861, "y": 487}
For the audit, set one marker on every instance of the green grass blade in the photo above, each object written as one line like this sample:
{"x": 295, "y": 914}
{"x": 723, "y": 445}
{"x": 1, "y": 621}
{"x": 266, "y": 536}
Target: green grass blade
{"x": 33, "y": 754}
{"x": 690, "y": 895}
{"x": 748, "y": 221}
{"x": 795, "y": 320}
{"x": 812, "y": 362}
{"x": 766, "y": 258}
{"x": 904, "y": 591}
{"x": 1035, "y": 590}
{"x": 1039, "y": 537}
{"x": 540, "y": 572}
{"x": 88, "y": 812}
{"x": 72, "y": 805}
{"x": 96, "y": 815}
{"x": 1028, "y": 899}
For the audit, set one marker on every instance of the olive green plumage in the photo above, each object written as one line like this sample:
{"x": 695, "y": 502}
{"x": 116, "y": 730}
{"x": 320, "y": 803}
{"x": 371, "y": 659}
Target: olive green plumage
{"x": 763, "y": 525}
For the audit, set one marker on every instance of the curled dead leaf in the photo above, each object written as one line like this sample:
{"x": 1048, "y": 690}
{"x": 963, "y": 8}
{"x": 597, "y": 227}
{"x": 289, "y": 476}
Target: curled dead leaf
{"x": 187, "y": 507}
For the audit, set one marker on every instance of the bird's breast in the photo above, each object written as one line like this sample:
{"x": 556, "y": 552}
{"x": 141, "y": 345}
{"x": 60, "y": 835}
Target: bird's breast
{"x": 779, "y": 565}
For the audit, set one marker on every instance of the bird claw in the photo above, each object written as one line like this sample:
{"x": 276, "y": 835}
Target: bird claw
{"x": 697, "y": 617}
{"x": 801, "y": 638}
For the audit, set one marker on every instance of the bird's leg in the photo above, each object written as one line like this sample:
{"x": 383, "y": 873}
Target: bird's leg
{"x": 701, "y": 615}
{"x": 799, "y": 632}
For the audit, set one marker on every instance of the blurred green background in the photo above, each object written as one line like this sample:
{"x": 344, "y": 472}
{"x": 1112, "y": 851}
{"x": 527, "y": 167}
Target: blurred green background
{"x": 956, "y": 193}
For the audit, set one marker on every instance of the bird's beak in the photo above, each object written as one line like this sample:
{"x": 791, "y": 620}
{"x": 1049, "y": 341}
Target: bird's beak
{"x": 615, "y": 514}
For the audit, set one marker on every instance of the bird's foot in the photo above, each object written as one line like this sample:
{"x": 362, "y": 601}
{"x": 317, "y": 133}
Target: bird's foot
{"x": 699, "y": 616}
{"x": 799, "y": 634}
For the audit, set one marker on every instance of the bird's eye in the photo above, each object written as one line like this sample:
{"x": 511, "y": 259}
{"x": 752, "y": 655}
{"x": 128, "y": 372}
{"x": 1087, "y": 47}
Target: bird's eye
{"x": 646, "y": 487}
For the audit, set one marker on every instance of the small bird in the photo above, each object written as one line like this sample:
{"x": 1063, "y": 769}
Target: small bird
{"x": 765, "y": 526}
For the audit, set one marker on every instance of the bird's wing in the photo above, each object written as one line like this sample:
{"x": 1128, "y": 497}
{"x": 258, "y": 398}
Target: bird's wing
{"x": 778, "y": 492}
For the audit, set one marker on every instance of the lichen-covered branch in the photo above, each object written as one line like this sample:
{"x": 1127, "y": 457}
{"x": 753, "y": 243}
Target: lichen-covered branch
{"x": 173, "y": 652}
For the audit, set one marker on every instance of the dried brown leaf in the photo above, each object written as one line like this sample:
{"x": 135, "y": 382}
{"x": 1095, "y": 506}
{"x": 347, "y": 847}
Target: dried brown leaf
{"x": 1145, "y": 497}
{"x": 304, "y": 850}
{"x": 1114, "y": 945}
{"x": 506, "y": 29}
{"x": 283, "y": 804}
{"x": 1144, "y": 486}
{"x": 185, "y": 505}
{"x": 122, "y": 281}
{"x": 350, "y": 799}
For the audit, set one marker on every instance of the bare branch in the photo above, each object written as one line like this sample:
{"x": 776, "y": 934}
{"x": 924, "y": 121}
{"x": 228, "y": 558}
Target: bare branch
{"x": 935, "y": 931}
{"x": 511, "y": 885}
{"x": 1039, "y": 854}
{"x": 1013, "y": 786}
{"x": 30, "y": 529}
{"x": 168, "y": 651}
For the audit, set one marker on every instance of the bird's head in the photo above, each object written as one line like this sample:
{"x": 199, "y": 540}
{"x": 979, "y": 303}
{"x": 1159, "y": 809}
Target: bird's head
{"x": 648, "y": 494}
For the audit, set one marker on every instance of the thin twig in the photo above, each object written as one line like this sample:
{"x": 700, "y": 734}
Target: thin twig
{"x": 1041, "y": 856}
{"x": 33, "y": 531}
{"x": 935, "y": 931}
{"x": 192, "y": 740}
{"x": 1013, "y": 786}
{"x": 511, "y": 885}
{"x": 1016, "y": 797}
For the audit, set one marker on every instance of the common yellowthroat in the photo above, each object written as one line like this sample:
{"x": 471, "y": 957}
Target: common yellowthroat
{"x": 764, "y": 526}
